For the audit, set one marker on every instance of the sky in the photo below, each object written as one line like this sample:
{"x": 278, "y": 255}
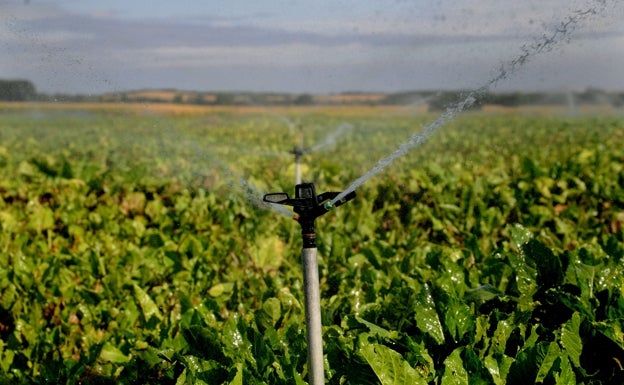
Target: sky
{"x": 296, "y": 46}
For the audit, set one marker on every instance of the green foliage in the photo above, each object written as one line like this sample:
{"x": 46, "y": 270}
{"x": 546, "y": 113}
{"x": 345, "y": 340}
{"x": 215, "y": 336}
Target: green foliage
{"x": 130, "y": 252}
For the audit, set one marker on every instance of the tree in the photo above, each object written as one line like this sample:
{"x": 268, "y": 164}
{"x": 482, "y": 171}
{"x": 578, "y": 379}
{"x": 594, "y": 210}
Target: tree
{"x": 224, "y": 98}
{"x": 17, "y": 90}
{"x": 304, "y": 100}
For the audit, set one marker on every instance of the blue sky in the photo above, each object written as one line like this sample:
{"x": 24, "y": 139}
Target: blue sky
{"x": 86, "y": 46}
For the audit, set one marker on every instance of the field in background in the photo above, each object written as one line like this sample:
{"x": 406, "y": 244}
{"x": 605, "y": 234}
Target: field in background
{"x": 181, "y": 109}
{"x": 148, "y": 108}
{"x": 135, "y": 249}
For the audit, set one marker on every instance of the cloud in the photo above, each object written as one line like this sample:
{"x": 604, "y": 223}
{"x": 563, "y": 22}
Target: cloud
{"x": 284, "y": 55}
{"x": 404, "y": 45}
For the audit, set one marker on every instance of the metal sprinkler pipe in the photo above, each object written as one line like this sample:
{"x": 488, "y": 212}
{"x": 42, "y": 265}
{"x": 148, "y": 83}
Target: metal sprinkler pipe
{"x": 310, "y": 206}
{"x": 297, "y": 152}
{"x": 314, "y": 326}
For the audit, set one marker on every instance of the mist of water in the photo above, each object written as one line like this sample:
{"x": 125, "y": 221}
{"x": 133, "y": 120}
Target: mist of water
{"x": 545, "y": 43}
{"x": 80, "y": 67}
{"x": 254, "y": 196}
{"x": 561, "y": 33}
{"x": 234, "y": 182}
{"x": 290, "y": 124}
{"x": 331, "y": 139}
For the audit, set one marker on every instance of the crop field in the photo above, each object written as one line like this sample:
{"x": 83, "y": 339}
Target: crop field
{"x": 135, "y": 249}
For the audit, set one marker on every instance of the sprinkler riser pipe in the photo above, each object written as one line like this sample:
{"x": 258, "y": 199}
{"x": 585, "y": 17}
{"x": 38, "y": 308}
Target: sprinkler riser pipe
{"x": 309, "y": 261}
{"x": 308, "y": 234}
{"x": 297, "y": 172}
{"x": 308, "y": 206}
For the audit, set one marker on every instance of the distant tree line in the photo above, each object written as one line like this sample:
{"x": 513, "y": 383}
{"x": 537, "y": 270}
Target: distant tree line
{"x": 438, "y": 101}
{"x": 17, "y": 90}
{"x": 24, "y": 90}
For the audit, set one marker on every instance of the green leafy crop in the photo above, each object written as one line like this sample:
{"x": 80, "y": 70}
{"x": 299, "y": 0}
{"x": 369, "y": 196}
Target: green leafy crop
{"x": 133, "y": 250}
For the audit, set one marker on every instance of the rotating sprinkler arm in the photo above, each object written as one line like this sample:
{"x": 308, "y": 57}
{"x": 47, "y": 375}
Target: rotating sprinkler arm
{"x": 308, "y": 206}
{"x": 306, "y": 202}
{"x": 298, "y": 152}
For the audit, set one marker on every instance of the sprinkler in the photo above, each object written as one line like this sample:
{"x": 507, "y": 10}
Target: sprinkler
{"x": 309, "y": 206}
{"x": 297, "y": 152}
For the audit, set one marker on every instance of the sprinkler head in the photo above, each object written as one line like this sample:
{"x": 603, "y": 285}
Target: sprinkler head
{"x": 306, "y": 202}
{"x": 297, "y": 151}
{"x": 309, "y": 206}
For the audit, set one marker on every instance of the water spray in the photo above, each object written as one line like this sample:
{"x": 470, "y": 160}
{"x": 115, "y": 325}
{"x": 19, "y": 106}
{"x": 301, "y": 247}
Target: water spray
{"x": 308, "y": 206}
{"x": 545, "y": 43}
{"x": 299, "y": 150}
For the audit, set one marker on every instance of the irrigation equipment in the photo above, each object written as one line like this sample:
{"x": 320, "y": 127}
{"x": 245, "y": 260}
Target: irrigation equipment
{"x": 308, "y": 206}
{"x": 299, "y": 150}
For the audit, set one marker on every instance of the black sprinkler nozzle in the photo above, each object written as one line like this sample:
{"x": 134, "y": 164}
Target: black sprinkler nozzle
{"x": 308, "y": 206}
{"x": 298, "y": 151}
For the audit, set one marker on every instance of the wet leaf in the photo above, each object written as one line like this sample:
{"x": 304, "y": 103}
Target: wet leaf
{"x": 147, "y": 305}
{"x": 110, "y": 353}
{"x": 426, "y": 316}
{"x": 389, "y": 366}
{"x": 552, "y": 356}
{"x": 571, "y": 339}
{"x": 454, "y": 371}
